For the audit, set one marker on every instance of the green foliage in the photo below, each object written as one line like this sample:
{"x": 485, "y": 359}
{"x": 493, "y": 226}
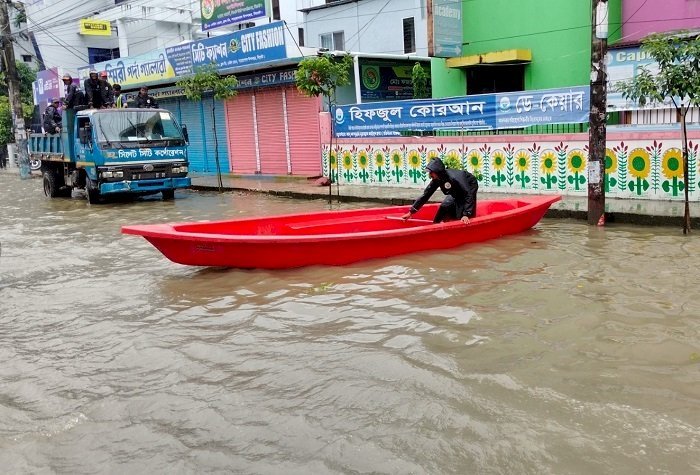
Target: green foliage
{"x": 420, "y": 82}
{"x": 207, "y": 79}
{"x": 452, "y": 162}
{"x": 26, "y": 76}
{"x": 679, "y": 62}
{"x": 321, "y": 75}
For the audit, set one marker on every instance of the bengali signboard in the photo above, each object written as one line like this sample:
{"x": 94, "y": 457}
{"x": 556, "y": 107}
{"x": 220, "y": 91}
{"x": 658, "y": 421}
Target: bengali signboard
{"x": 217, "y": 13}
{"x": 551, "y": 106}
{"x": 447, "y": 28}
{"x": 134, "y": 70}
{"x": 385, "y": 81}
{"x": 378, "y": 119}
{"x": 241, "y": 48}
{"x": 477, "y": 112}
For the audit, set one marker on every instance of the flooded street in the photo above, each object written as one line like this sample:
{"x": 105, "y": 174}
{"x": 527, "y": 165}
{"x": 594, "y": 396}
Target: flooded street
{"x": 566, "y": 349}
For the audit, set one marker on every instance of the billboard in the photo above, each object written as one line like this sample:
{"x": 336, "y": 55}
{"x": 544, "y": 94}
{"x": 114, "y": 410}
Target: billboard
{"x": 447, "y": 28}
{"x": 218, "y": 13}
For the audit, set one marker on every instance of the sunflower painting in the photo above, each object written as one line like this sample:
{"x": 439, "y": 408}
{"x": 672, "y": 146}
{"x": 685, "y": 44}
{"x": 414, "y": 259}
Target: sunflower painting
{"x": 522, "y": 166}
{"x": 348, "y": 174}
{"x": 414, "y": 168}
{"x": 576, "y": 163}
{"x": 363, "y": 164}
{"x": 379, "y": 161}
{"x": 639, "y": 166}
{"x": 610, "y": 169}
{"x": 498, "y": 162}
{"x": 396, "y": 165}
{"x": 672, "y": 169}
{"x": 548, "y": 166}
{"x": 474, "y": 161}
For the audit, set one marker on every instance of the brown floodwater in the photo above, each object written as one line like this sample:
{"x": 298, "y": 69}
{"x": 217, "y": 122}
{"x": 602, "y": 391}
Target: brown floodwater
{"x": 565, "y": 349}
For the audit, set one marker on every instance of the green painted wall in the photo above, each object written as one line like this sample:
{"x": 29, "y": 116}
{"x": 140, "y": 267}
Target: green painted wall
{"x": 447, "y": 82}
{"x": 558, "y": 32}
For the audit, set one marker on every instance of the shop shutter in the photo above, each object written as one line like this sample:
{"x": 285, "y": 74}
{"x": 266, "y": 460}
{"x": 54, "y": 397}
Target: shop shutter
{"x": 272, "y": 141}
{"x": 172, "y": 105}
{"x": 192, "y": 117}
{"x": 240, "y": 122}
{"x": 220, "y": 138}
{"x": 304, "y": 132}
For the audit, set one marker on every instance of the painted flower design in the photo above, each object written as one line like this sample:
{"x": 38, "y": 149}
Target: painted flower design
{"x": 414, "y": 159}
{"x": 379, "y": 159}
{"x": 453, "y": 155}
{"x": 396, "y": 158}
{"x": 433, "y": 154}
{"x": 639, "y": 164}
{"x": 362, "y": 159}
{"x": 610, "y": 161}
{"x": 333, "y": 158}
{"x": 474, "y": 159}
{"x": 347, "y": 160}
{"x": 576, "y": 161}
{"x": 672, "y": 163}
{"x": 548, "y": 162}
{"x": 522, "y": 161}
{"x": 498, "y": 160}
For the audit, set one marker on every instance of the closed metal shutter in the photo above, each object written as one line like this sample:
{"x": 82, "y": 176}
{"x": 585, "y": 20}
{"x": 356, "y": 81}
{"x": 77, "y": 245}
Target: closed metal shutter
{"x": 240, "y": 122}
{"x": 304, "y": 132}
{"x": 272, "y": 139}
{"x": 211, "y": 146}
{"x": 191, "y": 115}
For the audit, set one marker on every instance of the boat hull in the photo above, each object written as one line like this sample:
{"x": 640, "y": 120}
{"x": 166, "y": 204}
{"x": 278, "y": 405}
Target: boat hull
{"x": 335, "y": 237}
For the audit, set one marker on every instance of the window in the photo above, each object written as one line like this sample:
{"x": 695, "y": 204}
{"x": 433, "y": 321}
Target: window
{"x": 276, "y": 10}
{"x": 495, "y": 78}
{"x": 97, "y": 55}
{"x": 27, "y": 58}
{"x": 333, "y": 41}
{"x": 409, "y": 36}
{"x": 301, "y": 37}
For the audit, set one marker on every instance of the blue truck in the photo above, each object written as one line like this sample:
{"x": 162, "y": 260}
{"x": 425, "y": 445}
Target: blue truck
{"x": 108, "y": 152}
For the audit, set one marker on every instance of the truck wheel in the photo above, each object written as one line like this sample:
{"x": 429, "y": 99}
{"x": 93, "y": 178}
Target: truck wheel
{"x": 168, "y": 194}
{"x": 50, "y": 184}
{"x": 93, "y": 196}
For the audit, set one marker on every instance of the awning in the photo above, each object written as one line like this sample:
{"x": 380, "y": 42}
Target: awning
{"x": 509, "y": 56}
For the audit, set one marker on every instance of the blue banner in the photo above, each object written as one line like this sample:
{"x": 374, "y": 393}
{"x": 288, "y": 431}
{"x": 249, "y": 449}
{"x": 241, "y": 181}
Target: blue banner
{"x": 478, "y": 112}
{"x": 381, "y": 119}
{"x": 250, "y": 46}
{"x": 569, "y": 105}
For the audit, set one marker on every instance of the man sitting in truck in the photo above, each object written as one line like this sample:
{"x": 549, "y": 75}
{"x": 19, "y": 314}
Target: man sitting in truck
{"x": 144, "y": 100}
{"x": 52, "y": 118}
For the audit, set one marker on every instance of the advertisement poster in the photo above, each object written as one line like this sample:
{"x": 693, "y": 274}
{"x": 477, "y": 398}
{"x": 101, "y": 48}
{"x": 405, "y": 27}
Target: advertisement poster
{"x": 218, "y": 13}
{"x": 387, "y": 81}
{"x": 623, "y": 65}
{"x": 134, "y": 70}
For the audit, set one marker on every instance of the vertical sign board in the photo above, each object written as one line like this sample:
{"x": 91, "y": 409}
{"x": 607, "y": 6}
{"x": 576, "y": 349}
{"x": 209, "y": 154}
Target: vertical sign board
{"x": 218, "y": 13}
{"x": 447, "y": 28}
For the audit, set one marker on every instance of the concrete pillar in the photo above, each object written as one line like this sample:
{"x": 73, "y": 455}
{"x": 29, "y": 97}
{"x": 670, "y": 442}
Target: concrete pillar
{"x": 123, "y": 39}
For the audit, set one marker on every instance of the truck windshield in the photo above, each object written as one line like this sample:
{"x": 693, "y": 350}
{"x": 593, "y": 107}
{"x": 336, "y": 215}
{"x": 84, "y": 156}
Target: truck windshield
{"x": 137, "y": 128}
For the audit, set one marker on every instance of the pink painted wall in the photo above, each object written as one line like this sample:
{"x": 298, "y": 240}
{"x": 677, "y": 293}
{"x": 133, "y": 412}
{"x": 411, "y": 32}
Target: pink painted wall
{"x": 642, "y": 17}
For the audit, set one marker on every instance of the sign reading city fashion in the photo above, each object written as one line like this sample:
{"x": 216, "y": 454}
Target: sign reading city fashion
{"x": 477, "y": 112}
{"x": 447, "y": 28}
{"x": 134, "y": 70}
{"x": 549, "y": 106}
{"x": 217, "y": 13}
{"x": 95, "y": 27}
{"x": 250, "y": 46}
{"x": 380, "y": 81}
{"x": 376, "y": 119}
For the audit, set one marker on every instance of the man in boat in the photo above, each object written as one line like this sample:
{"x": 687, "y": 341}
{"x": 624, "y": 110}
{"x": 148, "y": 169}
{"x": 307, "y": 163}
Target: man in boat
{"x": 459, "y": 187}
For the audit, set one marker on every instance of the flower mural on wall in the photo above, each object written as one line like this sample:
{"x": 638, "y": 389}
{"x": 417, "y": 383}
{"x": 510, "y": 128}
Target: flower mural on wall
{"x": 610, "y": 169}
{"x": 414, "y": 165}
{"x": 347, "y": 166}
{"x": 576, "y": 163}
{"x": 672, "y": 169}
{"x": 379, "y": 161}
{"x": 621, "y": 152}
{"x": 474, "y": 160}
{"x": 498, "y": 163}
{"x": 639, "y": 166}
{"x": 655, "y": 153}
{"x": 363, "y": 164}
{"x": 522, "y": 167}
{"x": 396, "y": 160}
{"x": 535, "y": 151}
{"x": 548, "y": 166}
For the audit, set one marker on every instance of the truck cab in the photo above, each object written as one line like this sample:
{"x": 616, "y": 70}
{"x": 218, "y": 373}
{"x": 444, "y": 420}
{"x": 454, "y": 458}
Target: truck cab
{"x": 114, "y": 151}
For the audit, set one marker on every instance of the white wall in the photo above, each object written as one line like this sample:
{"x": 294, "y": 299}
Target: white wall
{"x": 370, "y": 26}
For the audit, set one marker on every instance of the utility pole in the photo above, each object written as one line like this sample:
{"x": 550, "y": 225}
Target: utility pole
{"x": 598, "y": 114}
{"x": 10, "y": 68}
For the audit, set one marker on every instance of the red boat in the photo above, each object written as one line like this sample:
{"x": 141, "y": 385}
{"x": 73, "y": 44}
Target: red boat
{"x": 335, "y": 237}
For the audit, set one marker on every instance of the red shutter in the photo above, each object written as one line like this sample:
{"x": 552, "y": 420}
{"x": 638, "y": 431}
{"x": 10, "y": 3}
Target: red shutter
{"x": 304, "y": 132}
{"x": 241, "y": 133}
{"x": 272, "y": 142}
